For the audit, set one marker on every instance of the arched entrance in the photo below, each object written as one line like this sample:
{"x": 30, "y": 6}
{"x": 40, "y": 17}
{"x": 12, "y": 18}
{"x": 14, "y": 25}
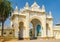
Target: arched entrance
{"x": 21, "y": 27}
{"x": 35, "y": 30}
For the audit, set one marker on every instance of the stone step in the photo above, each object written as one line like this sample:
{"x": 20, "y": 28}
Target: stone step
{"x": 33, "y": 41}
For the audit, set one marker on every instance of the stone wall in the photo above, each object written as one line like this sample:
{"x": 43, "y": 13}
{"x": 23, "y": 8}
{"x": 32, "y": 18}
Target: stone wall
{"x": 56, "y": 31}
{"x": 8, "y": 33}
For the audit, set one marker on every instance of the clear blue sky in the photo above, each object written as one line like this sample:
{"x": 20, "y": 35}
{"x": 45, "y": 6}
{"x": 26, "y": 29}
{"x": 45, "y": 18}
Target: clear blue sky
{"x": 50, "y": 5}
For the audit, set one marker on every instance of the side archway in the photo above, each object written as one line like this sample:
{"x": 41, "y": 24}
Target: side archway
{"x": 21, "y": 28}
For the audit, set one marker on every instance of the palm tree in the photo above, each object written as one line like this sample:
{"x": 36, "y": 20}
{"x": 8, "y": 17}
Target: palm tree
{"x": 5, "y": 12}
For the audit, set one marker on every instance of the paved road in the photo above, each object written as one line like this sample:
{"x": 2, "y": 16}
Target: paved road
{"x": 34, "y": 41}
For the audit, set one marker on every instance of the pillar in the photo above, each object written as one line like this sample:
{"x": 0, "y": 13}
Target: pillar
{"x": 16, "y": 29}
{"x": 51, "y": 28}
{"x": 26, "y": 32}
{"x": 43, "y": 28}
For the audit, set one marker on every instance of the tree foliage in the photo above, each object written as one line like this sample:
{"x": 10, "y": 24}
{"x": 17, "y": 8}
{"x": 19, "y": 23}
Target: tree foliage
{"x": 5, "y": 11}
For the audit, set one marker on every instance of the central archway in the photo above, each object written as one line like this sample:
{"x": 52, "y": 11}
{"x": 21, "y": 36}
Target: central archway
{"x": 35, "y": 28}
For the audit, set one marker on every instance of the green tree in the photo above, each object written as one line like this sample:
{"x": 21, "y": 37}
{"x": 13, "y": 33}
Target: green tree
{"x": 5, "y": 12}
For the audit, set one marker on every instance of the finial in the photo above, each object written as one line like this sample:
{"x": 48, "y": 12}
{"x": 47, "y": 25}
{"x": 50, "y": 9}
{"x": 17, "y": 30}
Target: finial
{"x": 34, "y": 0}
{"x": 43, "y": 8}
{"x": 27, "y": 4}
{"x": 50, "y": 13}
{"x": 16, "y": 8}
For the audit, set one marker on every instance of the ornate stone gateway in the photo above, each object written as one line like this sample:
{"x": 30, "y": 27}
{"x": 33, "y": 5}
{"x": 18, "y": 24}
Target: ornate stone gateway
{"x": 37, "y": 17}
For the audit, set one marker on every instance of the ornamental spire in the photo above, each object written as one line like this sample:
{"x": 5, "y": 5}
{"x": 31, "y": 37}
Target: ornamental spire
{"x": 16, "y": 9}
{"x": 43, "y": 8}
{"x": 35, "y": 4}
{"x": 50, "y": 14}
{"x": 34, "y": 0}
{"x": 27, "y": 5}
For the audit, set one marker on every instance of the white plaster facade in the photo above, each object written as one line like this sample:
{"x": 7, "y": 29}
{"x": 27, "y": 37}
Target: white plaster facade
{"x": 27, "y": 14}
{"x": 21, "y": 19}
